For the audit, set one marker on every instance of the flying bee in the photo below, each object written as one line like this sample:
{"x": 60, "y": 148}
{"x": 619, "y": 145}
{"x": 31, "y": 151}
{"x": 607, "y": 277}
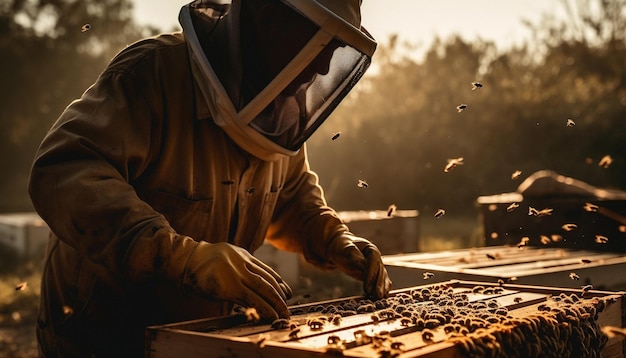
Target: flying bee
{"x": 440, "y": 213}
{"x": 68, "y": 311}
{"x": 585, "y": 289}
{"x": 476, "y": 85}
{"x": 606, "y": 161}
{"x": 428, "y": 275}
{"x": 21, "y": 286}
{"x": 335, "y": 135}
{"x": 85, "y": 28}
{"x": 544, "y": 212}
{"x": 512, "y": 207}
{"x": 516, "y": 174}
{"x": 569, "y": 227}
{"x": 545, "y": 240}
{"x": 362, "y": 184}
{"x": 556, "y": 238}
{"x": 591, "y": 207}
{"x": 601, "y": 239}
{"x": 461, "y": 107}
{"x": 391, "y": 210}
{"x": 574, "y": 276}
{"x": 570, "y": 122}
{"x": 453, "y": 163}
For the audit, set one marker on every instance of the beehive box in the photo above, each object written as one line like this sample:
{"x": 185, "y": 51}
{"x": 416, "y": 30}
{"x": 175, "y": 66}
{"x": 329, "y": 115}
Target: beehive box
{"x": 391, "y": 233}
{"x": 25, "y": 233}
{"x": 551, "y": 210}
{"x": 449, "y": 319}
{"x": 555, "y": 267}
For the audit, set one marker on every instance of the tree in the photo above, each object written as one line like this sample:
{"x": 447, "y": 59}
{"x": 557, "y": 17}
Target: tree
{"x": 52, "y": 50}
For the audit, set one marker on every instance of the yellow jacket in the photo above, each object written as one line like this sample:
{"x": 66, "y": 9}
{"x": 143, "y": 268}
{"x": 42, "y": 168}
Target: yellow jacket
{"x": 134, "y": 164}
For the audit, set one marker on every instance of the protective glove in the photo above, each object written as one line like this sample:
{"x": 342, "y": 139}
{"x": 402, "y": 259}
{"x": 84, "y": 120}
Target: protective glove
{"x": 226, "y": 272}
{"x": 361, "y": 260}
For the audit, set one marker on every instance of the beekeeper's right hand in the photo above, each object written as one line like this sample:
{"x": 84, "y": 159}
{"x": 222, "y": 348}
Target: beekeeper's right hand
{"x": 226, "y": 272}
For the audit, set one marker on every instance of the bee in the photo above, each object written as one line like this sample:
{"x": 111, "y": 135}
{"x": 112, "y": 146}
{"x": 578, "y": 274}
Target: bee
{"x": 569, "y": 227}
{"x": 570, "y": 122}
{"x": 252, "y": 315}
{"x": 336, "y": 319}
{"x": 545, "y": 240}
{"x": 397, "y": 345}
{"x": 523, "y": 242}
{"x": 574, "y": 276}
{"x": 585, "y": 261}
{"x": 591, "y": 207}
{"x": 335, "y": 135}
{"x": 622, "y": 228}
{"x": 516, "y": 174}
{"x": 333, "y": 339}
{"x": 85, "y": 28}
{"x": 453, "y": 163}
{"x": 512, "y": 207}
{"x": 68, "y": 311}
{"x": 518, "y": 299}
{"x": 491, "y": 256}
{"x": 461, "y": 107}
{"x": 427, "y": 336}
{"x": 476, "y": 85}
{"x": 606, "y": 161}
{"x": 228, "y": 182}
{"x": 428, "y": 275}
{"x": 21, "y": 286}
{"x": 556, "y": 238}
{"x": 544, "y": 212}
{"x": 280, "y": 323}
{"x": 391, "y": 210}
{"x": 601, "y": 239}
{"x": 500, "y": 282}
{"x": 294, "y": 333}
{"x": 585, "y": 289}
{"x": 362, "y": 184}
{"x": 316, "y": 324}
{"x": 440, "y": 213}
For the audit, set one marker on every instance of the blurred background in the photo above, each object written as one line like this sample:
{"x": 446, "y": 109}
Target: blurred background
{"x": 541, "y": 64}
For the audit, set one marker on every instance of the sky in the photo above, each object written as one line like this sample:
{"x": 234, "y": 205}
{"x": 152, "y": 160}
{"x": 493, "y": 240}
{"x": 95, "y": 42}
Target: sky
{"x": 415, "y": 21}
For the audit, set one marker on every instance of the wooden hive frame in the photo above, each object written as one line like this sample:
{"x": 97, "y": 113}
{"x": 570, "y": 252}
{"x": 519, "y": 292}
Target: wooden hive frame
{"x": 379, "y": 332}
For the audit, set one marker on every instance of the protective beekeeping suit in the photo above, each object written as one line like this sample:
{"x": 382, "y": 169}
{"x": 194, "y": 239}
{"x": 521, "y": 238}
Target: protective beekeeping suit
{"x": 183, "y": 157}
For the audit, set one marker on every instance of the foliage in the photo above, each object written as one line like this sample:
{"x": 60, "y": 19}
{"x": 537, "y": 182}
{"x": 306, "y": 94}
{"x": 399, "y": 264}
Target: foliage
{"x": 49, "y": 58}
{"x": 402, "y": 125}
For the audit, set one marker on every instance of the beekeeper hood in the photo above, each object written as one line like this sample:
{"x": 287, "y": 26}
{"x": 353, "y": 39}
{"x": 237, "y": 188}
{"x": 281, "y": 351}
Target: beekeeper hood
{"x": 271, "y": 90}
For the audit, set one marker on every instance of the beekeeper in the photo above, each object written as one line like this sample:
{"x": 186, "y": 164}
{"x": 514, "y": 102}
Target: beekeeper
{"x": 183, "y": 157}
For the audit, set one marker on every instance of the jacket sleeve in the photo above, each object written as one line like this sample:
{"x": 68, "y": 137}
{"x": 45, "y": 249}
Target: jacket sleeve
{"x": 81, "y": 175}
{"x": 303, "y": 222}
